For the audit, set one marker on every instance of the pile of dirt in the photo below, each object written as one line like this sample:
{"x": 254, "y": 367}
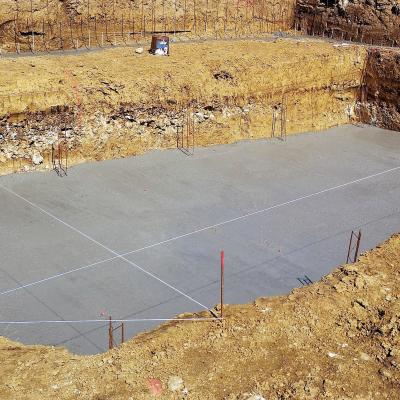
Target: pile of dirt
{"x": 117, "y": 103}
{"x": 338, "y": 338}
{"x": 373, "y": 22}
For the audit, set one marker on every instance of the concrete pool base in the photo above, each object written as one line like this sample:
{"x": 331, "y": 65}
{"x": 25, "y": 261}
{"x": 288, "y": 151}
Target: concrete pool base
{"x": 279, "y": 210}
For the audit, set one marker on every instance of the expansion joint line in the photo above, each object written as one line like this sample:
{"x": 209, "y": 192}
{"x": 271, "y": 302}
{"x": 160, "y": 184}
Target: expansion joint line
{"x": 119, "y": 256}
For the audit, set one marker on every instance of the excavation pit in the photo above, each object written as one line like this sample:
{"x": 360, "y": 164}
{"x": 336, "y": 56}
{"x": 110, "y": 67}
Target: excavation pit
{"x": 171, "y": 214}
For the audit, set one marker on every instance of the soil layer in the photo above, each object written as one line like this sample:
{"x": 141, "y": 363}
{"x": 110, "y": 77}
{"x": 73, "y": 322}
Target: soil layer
{"x": 116, "y": 103}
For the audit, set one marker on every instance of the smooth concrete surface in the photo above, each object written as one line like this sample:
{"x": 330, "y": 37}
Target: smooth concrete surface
{"x": 132, "y": 205}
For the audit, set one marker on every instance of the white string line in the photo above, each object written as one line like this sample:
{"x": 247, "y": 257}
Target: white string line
{"x": 258, "y": 212}
{"x": 102, "y": 245}
{"x": 90, "y": 321}
{"x": 199, "y": 230}
{"x": 58, "y": 276}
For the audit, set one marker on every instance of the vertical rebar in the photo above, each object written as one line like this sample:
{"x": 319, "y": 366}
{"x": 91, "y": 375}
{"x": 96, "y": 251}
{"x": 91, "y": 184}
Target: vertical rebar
{"x": 216, "y": 19}
{"x": 95, "y": 30}
{"x": 16, "y": 26}
{"x": 163, "y": 17}
{"x": 110, "y": 334}
{"x": 226, "y": 16}
{"x": 236, "y": 16}
{"x": 106, "y": 23}
{"x": 70, "y": 33}
{"x": 174, "y": 18}
{"x": 66, "y": 157}
{"x": 15, "y": 36}
{"x": 350, "y": 243}
{"x": 61, "y": 38}
{"x": 357, "y": 246}
{"x": 142, "y": 18}
{"x": 194, "y": 17}
{"x": 114, "y": 20}
{"x": 31, "y": 13}
{"x": 222, "y": 282}
{"x": 206, "y": 18}
{"x": 44, "y": 35}
{"x": 253, "y": 14}
{"x": 88, "y": 23}
{"x": 153, "y": 16}
{"x": 82, "y": 34}
{"x": 122, "y": 28}
{"x": 131, "y": 12}
{"x": 184, "y": 15}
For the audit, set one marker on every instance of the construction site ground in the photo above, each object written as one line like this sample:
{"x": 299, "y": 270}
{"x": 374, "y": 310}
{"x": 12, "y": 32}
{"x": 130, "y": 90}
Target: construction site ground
{"x": 280, "y": 210}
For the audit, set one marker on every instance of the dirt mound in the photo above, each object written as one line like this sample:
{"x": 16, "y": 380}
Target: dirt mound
{"x": 338, "y": 338}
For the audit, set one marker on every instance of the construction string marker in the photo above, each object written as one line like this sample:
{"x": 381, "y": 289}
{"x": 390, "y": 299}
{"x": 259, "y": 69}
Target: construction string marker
{"x": 174, "y": 238}
{"x": 92, "y": 321}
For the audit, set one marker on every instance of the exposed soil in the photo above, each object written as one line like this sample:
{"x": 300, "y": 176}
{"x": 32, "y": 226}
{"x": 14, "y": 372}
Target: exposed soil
{"x": 373, "y": 22}
{"x": 119, "y": 103}
{"x": 336, "y": 339}
{"x": 41, "y": 25}
{"x": 380, "y": 92}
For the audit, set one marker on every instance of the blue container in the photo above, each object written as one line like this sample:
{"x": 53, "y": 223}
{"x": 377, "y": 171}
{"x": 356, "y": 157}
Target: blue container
{"x": 160, "y": 45}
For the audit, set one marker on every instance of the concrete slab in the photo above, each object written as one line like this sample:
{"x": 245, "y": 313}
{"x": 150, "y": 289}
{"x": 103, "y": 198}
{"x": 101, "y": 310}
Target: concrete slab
{"x": 38, "y": 245}
{"x": 156, "y": 207}
{"x": 115, "y": 289}
{"x": 26, "y": 307}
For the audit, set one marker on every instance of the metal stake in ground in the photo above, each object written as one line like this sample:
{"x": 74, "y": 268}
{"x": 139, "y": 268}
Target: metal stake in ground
{"x": 222, "y": 282}
{"x": 111, "y": 329}
{"x": 110, "y": 334}
{"x": 353, "y": 250}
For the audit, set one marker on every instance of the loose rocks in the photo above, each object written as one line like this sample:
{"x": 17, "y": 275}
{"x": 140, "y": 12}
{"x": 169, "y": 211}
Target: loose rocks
{"x": 175, "y": 383}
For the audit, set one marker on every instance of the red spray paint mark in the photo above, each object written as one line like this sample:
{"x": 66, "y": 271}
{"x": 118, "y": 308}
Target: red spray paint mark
{"x": 155, "y": 386}
{"x": 75, "y": 86}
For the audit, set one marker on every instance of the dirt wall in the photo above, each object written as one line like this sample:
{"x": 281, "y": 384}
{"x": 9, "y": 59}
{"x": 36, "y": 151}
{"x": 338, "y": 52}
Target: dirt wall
{"x": 117, "y": 103}
{"x": 380, "y": 92}
{"x": 373, "y": 22}
{"x": 41, "y": 25}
